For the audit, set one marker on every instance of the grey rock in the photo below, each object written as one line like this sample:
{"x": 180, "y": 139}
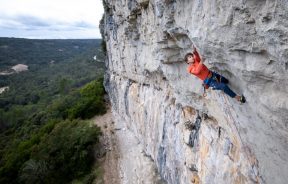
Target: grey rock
{"x": 246, "y": 41}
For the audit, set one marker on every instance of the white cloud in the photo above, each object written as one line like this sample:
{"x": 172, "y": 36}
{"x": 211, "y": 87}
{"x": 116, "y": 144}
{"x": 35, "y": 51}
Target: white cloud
{"x": 53, "y": 15}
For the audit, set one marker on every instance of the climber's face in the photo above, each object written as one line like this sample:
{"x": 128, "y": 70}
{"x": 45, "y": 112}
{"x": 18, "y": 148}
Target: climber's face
{"x": 190, "y": 59}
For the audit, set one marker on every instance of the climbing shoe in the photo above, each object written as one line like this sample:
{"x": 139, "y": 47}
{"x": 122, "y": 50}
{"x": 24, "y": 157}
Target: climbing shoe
{"x": 242, "y": 99}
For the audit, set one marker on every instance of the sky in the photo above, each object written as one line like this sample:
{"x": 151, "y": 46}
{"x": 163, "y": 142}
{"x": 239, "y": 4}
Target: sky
{"x": 50, "y": 19}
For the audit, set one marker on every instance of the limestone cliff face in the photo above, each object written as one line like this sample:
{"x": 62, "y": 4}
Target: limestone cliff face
{"x": 192, "y": 139}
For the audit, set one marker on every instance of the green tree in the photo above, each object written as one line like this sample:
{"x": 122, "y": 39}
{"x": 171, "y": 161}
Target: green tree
{"x": 90, "y": 103}
{"x": 68, "y": 149}
{"x": 34, "y": 172}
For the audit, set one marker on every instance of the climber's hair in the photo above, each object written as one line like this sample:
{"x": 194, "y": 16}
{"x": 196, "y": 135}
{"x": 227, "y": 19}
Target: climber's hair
{"x": 186, "y": 56}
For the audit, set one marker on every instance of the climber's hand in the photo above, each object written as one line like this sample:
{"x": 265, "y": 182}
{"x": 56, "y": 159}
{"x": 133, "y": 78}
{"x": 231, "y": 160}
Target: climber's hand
{"x": 193, "y": 48}
{"x": 204, "y": 94}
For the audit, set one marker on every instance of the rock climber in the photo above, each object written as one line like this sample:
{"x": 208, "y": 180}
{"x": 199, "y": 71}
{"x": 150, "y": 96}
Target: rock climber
{"x": 209, "y": 78}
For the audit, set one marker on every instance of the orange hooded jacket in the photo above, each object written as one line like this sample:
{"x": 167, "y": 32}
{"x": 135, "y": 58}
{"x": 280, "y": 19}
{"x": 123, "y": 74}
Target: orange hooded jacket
{"x": 198, "y": 69}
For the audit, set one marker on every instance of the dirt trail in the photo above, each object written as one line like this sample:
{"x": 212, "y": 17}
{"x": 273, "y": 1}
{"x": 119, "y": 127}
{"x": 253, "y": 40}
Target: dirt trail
{"x": 125, "y": 161}
{"x": 109, "y": 140}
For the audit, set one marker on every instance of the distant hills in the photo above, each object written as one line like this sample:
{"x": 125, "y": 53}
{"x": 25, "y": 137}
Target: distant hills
{"x": 33, "y": 51}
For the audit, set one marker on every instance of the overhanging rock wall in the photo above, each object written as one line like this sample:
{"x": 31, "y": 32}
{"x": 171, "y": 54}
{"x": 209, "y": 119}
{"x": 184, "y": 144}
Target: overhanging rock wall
{"x": 152, "y": 93}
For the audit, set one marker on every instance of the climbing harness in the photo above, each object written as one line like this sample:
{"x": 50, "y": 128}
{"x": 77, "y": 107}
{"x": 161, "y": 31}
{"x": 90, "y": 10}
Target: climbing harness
{"x": 216, "y": 77}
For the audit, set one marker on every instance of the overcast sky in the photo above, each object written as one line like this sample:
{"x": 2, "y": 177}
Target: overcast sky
{"x": 50, "y": 18}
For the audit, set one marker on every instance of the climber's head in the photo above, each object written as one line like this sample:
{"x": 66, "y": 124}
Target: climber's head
{"x": 189, "y": 58}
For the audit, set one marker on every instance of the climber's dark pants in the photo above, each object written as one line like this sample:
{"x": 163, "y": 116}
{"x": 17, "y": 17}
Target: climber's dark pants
{"x": 218, "y": 82}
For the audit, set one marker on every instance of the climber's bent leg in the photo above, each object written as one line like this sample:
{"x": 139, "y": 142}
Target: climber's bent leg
{"x": 221, "y": 86}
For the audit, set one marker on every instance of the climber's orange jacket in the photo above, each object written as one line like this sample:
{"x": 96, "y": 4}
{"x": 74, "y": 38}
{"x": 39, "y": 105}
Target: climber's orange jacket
{"x": 198, "y": 69}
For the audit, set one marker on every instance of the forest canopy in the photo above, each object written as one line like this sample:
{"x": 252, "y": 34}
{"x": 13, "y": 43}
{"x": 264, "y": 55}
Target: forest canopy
{"x": 45, "y": 136}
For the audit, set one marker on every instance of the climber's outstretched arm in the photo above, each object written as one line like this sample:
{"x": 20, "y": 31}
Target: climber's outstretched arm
{"x": 197, "y": 57}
